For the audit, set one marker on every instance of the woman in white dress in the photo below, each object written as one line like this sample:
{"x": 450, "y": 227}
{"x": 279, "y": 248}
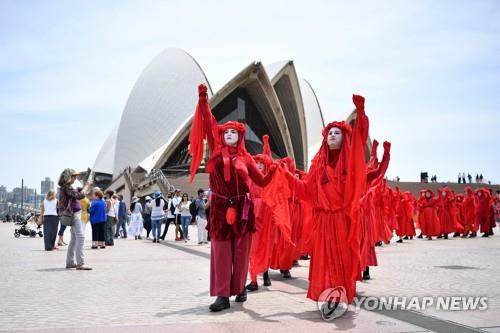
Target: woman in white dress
{"x": 136, "y": 221}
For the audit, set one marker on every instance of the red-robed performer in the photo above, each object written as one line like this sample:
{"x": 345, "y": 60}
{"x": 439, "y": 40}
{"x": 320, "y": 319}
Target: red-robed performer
{"x": 262, "y": 241}
{"x": 427, "y": 215}
{"x": 333, "y": 187}
{"x": 231, "y": 221}
{"x": 460, "y": 216}
{"x": 470, "y": 227}
{"x": 406, "y": 226}
{"x": 283, "y": 250}
{"x": 375, "y": 175}
{"x": 446, "y": 212}
{"x": 483, "y": 212}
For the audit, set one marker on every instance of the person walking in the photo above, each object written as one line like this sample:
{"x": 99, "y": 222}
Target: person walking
{"x": 122, "y": 218}
{"x": 185, "y": 215}
{"x": 110, "y": 218}
{"x": 170, "y": 216}
{"x": 202, "y": 204}
{"x": 70, "y": 202}
{"x": 50, "y": 220}
{"x": 157, "y": 215}
{"x": 147, "y": 215}
{"x": 98, "y": 219}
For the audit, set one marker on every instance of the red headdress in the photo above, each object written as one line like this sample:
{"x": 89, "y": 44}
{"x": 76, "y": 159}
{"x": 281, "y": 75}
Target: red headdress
{"x": 266, "y": 156}
{"x": 326, "y": 155}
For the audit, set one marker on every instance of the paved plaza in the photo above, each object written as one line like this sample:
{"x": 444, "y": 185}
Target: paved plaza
{"x": 138, "y": 286}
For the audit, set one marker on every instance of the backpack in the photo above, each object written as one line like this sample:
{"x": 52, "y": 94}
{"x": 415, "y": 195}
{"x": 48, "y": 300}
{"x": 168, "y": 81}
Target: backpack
{"x": 193, "y": 209}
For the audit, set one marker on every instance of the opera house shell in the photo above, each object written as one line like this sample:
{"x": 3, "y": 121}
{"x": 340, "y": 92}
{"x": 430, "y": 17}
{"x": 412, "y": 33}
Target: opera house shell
{"x": 148, "y": 149}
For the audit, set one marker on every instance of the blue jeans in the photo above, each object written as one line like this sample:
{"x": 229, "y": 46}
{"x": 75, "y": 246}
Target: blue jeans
{"x": 156, "y": 228}
{"x": 123, "y": 224}
{"x": 185, "y": 225}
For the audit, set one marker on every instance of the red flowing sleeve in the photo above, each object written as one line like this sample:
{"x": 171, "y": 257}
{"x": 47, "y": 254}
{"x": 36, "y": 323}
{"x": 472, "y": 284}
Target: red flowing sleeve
{"x": 276, "y": 195}
{"x": 356, "y": 182}
{"x": 204, "y": 126}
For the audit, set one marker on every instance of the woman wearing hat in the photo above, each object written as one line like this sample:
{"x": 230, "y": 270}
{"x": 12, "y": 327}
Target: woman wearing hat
{"x": 135, "y": 227}
{"x": 157, "y": 215}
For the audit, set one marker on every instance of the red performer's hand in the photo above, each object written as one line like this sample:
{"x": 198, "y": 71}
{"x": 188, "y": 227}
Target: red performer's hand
{"x": 387, "y": 147}
{"x": 359, "y": 102}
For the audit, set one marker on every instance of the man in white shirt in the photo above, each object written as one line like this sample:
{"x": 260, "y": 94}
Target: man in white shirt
{"x": 170, "y": 215}
{"x": 176, "y": 200}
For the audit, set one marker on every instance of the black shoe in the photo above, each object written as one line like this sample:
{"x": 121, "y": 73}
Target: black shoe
{"x": 399, "y": 241}
{"x": 366, "y": 273}
{"x": 139, "y": 237}
{"x": 406, "y": 238}
{"x": 242, "y": 297}
{"x": 440, "y": 236}
{"x": 456, "y": 234}
{"x": 286, "y": 274}
{"x": 154, "y": 240}
{"x": 485, "y": 235}
{"x": 379, "y": 243}
{"x": 162, "y": 237}
{"x": 158, "y": 241}
{"x": 420, "y": 236}
{"x": 306, "y": 257}
{"x": 429, "y": 238}
{"x": 252, "y": 286}
{"x": 135, "y": 237}
{"x": 221, "y": 303}
{"x": 94, "y": 247}
{"x": 295, "y": 263}
{"x": 102, "y": 247}
{"x": 267, "y": 280}
{"x": 445, "y": 236}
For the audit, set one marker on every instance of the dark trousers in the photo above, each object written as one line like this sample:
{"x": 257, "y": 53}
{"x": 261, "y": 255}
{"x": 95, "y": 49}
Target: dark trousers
{"x": 178, "y": 222}
{"x": 123, "y": 224}
{"x": 147, "y": 224}
{"x": 167, "y": 224}
{"x": 108, "y": 231}
{"x": 50, "y": 224}
{"x": 98, "y": 232}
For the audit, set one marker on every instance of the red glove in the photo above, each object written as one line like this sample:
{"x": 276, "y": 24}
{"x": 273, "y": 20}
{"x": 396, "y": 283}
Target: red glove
{"x": 241, "y": 167}
{"x": 202, "y": 91}
{"x": 359, "y": 102}
{"x": 387, "y": 147}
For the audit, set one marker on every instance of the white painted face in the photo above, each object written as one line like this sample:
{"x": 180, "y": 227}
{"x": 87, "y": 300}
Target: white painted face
{"x": 443, "y": 194}
{"x": 479, "y": 194}
{"x": 334, "y": 138}
{"x": 260, "y": 166}
{"x": 231, "y": 137}
{"x": 427, "y": 194}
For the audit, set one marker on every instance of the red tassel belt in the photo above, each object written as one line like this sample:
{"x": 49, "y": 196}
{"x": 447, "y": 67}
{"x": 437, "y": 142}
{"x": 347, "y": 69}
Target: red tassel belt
{"x": 231, "y": 211}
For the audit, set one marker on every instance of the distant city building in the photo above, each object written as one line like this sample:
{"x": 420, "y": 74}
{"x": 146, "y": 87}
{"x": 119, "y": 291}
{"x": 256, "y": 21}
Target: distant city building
{"x": 46, "y": 185}
{"x": 3, "y": 193}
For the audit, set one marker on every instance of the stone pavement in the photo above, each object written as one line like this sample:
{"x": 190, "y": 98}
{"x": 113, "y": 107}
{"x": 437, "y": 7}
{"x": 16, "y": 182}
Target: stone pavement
{"x": 138, "y": 286}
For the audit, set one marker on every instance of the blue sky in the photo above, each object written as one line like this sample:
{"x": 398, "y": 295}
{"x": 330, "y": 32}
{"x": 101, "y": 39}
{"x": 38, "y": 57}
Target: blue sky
{"x": 428, "y": 69}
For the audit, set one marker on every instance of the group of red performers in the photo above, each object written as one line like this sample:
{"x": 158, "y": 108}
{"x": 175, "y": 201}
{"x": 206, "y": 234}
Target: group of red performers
{"x": 266, "y": 214}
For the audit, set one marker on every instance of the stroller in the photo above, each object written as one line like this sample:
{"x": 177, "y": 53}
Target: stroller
{"x": 28, "y": 227}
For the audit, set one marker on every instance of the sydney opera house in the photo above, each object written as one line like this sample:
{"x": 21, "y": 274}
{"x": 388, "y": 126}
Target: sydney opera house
{"x": 148, "y": 149}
